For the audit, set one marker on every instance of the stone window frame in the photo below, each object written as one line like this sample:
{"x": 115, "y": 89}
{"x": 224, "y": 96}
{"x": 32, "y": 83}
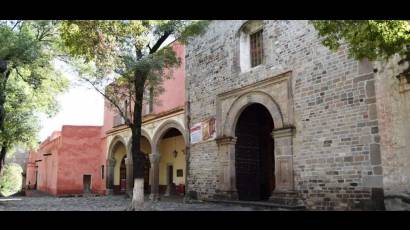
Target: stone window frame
{"x": 245, "y": 31}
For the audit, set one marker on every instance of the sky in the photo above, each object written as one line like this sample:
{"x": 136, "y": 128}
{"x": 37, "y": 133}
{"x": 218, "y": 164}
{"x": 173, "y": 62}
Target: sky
{"x": 80, "y": 105}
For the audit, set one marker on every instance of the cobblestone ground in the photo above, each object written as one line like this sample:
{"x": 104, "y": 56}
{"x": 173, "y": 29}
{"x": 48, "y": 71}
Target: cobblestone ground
{"x": 108, "y": 203}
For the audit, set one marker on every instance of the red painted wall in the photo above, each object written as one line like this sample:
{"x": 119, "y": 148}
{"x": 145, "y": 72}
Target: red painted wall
{"x": 174, "y": 94}
{"x": 31, "y": 169}
{"x": 108, "y": 118}
{"x": 46, "y": 165}
{"x": 76, "y": 151}
{"x": 80, "y": 155}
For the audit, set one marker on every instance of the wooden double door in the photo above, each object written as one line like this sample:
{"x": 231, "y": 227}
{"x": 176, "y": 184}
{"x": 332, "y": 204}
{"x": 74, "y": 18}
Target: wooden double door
{"x": 254, "y": 160}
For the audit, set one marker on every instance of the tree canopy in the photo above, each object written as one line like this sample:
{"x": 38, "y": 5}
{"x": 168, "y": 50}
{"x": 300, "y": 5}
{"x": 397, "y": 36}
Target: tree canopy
{"x": 371, "y": 39}
{"x": 29, "y": 81}
{"x": 109, "y": 52}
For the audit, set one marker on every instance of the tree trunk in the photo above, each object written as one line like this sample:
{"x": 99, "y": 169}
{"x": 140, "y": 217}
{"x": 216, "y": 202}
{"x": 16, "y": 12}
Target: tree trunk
{"x": 138, "y": 159}
{"x": 4, "y": 76}
{"x": 3, "y": 80}
{"x": 3, "y": 152}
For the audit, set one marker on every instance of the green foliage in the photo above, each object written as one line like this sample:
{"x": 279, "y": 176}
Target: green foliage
{"x": 372, "y": 39}
{"x": 23, "y": 106}
{"x": 11, "y": 179}
{"x": 30, "y": 83}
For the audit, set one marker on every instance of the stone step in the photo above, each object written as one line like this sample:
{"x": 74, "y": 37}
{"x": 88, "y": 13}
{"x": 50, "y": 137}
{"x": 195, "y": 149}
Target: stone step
{"x": 288, "y": 198}
{"x": 287, "y": 201}
{"x": 265, "y": 204}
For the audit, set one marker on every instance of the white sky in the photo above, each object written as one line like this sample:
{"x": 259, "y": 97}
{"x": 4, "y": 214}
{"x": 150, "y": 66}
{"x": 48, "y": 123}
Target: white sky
{"x": 80, "y": 105}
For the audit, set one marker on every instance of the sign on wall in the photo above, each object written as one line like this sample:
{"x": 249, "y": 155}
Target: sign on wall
{"x": 203, "y": 131}
{"x": 180, "y": 173}
{"x": 196, "y": 133}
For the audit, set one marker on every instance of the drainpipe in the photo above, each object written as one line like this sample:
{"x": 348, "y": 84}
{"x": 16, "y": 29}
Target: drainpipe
{"x": 188, "y": 139}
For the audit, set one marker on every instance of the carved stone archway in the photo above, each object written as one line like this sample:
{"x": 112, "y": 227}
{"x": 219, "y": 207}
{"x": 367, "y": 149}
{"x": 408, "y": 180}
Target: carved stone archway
{"x": 282, "y": 135}
{"x": 242, "y": 102}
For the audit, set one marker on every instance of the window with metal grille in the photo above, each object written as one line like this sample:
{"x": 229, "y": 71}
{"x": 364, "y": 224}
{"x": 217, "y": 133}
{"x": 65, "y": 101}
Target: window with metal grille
{"x": 256, "y": 45}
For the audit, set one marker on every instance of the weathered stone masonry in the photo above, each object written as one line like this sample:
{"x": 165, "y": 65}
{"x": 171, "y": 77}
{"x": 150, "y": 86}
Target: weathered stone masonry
{"x": 326, "y": 101}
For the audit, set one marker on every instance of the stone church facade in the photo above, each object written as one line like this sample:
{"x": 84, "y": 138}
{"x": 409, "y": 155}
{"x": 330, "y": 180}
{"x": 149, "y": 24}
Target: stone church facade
{"x": 301, "y": 125}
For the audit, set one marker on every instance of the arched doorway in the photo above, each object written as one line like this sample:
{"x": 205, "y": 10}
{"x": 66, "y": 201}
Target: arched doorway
{"x": 117, "y": 169}
{"x": 172, "y": 164}
{"x": 254, "y": 153}
{"x": 123, "y": 176}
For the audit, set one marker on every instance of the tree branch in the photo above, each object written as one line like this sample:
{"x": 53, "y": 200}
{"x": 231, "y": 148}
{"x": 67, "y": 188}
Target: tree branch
{"x": 6, "y": 77}
{"x": 44, "y": 33}
{"x": 138, "y": 52}
{"x": 18, "y": 22}
{"x": 127, "y": 120}
{"x": 19, "y": 74}
{"x": 159, "y": 42}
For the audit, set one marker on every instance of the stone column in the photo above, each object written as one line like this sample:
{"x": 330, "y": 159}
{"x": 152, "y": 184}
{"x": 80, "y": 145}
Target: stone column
{"x": 227, "y": 178}
{"x": 284, "y": 180}
{"x": 110, "y": 176}
{"x": 129, "y": 172}
{"x": 154, "y": 175}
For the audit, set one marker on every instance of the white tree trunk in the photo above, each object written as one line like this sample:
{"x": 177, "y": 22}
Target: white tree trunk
{"x": 137, "y": 202}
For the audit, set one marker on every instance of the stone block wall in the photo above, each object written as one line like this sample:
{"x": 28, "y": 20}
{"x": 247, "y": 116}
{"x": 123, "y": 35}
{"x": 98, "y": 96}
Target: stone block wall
{"x": 393, "y": 110}
{"x": 336, "y": 152}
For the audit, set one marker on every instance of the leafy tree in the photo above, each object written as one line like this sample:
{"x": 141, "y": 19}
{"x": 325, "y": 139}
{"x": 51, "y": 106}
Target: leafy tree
{"x": 11, "y": 179}
{"x": 129, "y": 57}
{"x": 372, "y": 39}
{"x": 28, "y": 81}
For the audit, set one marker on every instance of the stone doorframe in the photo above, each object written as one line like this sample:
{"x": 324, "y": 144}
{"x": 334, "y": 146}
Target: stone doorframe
{"x": 156, "y": 155}
{"x": 275, "y": 94}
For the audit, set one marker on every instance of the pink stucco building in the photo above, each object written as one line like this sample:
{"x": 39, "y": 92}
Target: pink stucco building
{"x": 163, "y": 133}
{"x": 68, "y": 162}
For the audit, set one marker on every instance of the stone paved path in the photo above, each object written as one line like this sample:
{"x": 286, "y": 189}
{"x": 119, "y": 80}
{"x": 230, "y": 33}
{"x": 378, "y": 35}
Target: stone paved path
{"x": 108, "y": 203}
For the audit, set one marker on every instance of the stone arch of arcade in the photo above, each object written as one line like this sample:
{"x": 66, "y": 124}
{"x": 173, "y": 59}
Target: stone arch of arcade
{"x": 119, "y": 163}
{"x": 168, "y": 161}
{"x": 146, "y": 148}
{"x": 116, "y": 153}
{"x": 254, "y": 142}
